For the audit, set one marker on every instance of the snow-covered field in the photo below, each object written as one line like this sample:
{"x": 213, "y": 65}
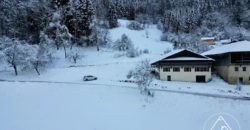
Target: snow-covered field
{"x": 62, "y": 101}
{"x": 31, "y": 106}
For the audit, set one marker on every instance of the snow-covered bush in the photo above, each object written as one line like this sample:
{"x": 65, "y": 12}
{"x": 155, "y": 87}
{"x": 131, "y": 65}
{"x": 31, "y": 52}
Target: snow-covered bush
{"x": 132, "y": 52}
{"x": 235, "y": 34}
{"x": 145, "y": 51}
{"x": 136, "y": 26}
{"x": 125, "y": 44}
{"x": 170, "y": 37}
{"x": 102, "y": 23}
{"x": 167, "y": 51}
{"x": 99, "y": 37}
{"x": 122, "y": 44}
{"x": 74, "y": 55}
{"x": 159, "y": 25}
{"x": 144, "y": 19}
{"x": 142, "y": 75}
{"x": 184, "y": 40}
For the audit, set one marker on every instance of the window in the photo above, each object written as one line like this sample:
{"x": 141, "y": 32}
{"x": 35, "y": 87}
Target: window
{"x": 166, "y": 69}
{"x": 187, "y": 69}
{"x": 249, "y": 79}
{"x": 236, "y": 69}
{"x": 176, "y": 69}
{"x": 244, "y": 69}
{"x": 201, "y": 69}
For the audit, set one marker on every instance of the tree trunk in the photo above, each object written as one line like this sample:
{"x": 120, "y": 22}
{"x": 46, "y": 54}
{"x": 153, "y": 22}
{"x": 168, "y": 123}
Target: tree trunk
{"x": 57, "y": 46}
{"x": 36, "y": 65}
{"x": 37, "y": 71}
{"x": 15, "y": 69}
{"x": 65, "y": 53}
{"x": 74, "y": 60}
{"x": 97, "y": 47}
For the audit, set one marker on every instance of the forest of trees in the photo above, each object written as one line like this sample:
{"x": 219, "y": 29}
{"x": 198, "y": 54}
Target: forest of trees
{"x": 44, "y": 24}
{"x": 26, "y": 19}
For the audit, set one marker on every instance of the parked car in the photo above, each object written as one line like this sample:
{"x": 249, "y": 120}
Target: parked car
{"x": 89, "y": 78}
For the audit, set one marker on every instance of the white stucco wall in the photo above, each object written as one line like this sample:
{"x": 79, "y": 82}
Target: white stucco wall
{"x": 229, "y": 74}
{"x": 233, "y": 75}
{"x": 184, "y": 76}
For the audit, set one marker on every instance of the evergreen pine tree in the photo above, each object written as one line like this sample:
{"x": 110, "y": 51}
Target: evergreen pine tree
{"x": 112, "y": 16}
{"x": 59, "y": 3}
{"x": 78, "y": 17}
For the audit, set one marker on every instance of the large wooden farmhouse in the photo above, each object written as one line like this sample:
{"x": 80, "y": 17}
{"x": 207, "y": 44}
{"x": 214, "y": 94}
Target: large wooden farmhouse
{"x": 184, "y": 65}
{"x": 232, "y": 61}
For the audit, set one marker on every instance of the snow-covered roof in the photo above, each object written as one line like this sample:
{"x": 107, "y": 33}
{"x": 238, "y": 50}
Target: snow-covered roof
{"x": 207, "y": 38}
{"x": 173, "y": 52}
{"x": 186, "y": 59}
{"x": 197, "y": 57}
{"x": 168, "y": 54}
{"x": 242, "y": 46}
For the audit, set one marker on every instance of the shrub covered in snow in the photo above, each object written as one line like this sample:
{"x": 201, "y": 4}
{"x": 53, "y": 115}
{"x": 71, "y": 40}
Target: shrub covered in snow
{"x": 126, "y": 45}
{"x": 167, "y": 51}
{"x": 132, "y": 52}
{"x": 184, "y": 40}
{"x": 74, "y": 55}
{"x": 122, "y": 44}
{"x": 136, "y": 26}
{"x": 145, "y": 51}
{"x": 99, "y": 36}
{"x": 171, "y": 37}
{"x": 143, "y": 77}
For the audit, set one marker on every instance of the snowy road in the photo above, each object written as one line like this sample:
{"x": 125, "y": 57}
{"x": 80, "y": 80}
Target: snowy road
{"x": 134, "y": 87}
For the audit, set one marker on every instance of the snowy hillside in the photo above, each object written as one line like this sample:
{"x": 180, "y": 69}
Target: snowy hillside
{"x": 106, "y": 64}
{"x": 58, "y": 99}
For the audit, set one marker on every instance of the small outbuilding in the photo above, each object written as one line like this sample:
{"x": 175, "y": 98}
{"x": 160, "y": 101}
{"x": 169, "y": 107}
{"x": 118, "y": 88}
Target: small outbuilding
{"x": 184, "y": 65}
{"x": 208, "y": 40}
